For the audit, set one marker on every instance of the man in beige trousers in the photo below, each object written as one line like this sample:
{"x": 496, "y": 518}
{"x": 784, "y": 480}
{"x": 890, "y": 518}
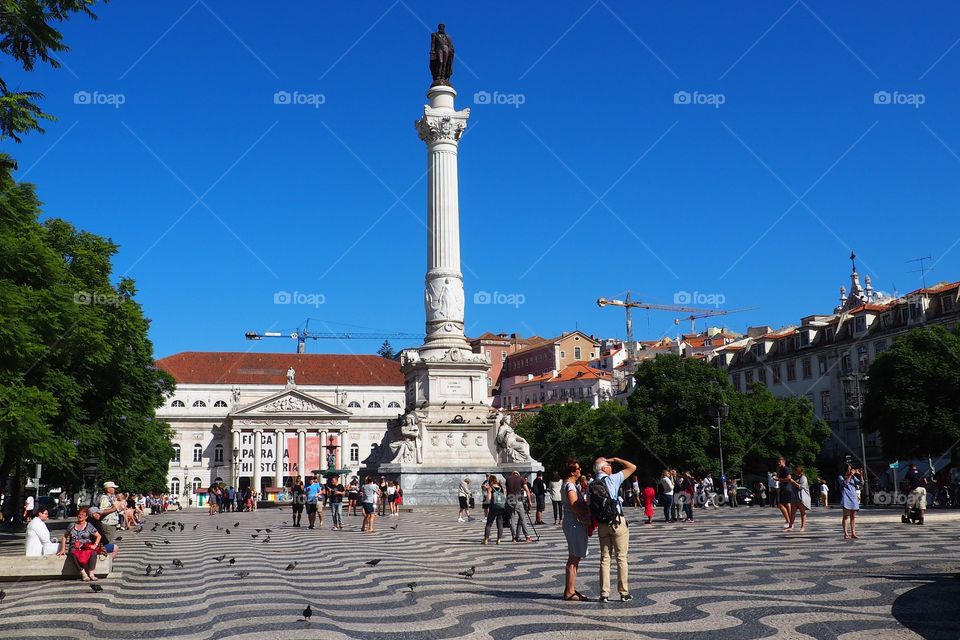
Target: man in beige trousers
{"x": 614, "y": 538}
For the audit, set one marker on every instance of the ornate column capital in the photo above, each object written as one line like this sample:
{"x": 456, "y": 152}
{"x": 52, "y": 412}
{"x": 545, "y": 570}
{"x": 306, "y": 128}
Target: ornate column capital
{"x": 441, "y": 125}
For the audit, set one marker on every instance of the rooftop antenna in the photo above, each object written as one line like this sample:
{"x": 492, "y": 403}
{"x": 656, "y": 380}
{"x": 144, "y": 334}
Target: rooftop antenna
{"x": 922, "y": 270}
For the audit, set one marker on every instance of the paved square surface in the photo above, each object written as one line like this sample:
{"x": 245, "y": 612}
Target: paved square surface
{"x": 732, "y": 574}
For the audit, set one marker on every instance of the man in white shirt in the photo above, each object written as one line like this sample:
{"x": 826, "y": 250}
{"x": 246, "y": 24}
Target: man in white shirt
{"x": 39, "y": 542}
{"x": 110, "y": 510}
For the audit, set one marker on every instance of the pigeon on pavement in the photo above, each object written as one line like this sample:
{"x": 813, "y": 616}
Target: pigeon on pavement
{"x": 149, "y": 569}
{"x": 468, "y": 573}
{"x": 177, "y": 563}
{"x": 291, "y": 566}
{"x": 3, "y": 594}
{"x": 373, "y": 562}
{"x": 232, "y": 560}
{"x": 158, "y": 572}
{"x": 96, "y": 588}
{"x": 242, "y": 574}
{"x": 236, "y": 524}
{"x": 220, "y": 558}
{"x": 267, "y": 539}
{"x": 148, "y": 543}
{"x": 307, "y": 613}
{"x": 412, "y": 585}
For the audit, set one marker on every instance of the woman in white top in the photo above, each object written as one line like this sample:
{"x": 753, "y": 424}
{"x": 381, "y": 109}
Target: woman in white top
{"x": 801, "y": 497}
{"x": 666, "y": 486}
{"x": 556, "y": 496}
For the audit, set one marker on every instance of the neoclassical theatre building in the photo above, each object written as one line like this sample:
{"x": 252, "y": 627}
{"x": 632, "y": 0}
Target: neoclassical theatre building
{"x": 257, "y": 419}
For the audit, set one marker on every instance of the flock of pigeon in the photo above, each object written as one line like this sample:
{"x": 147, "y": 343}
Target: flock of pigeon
{"x": 174, "y": 526}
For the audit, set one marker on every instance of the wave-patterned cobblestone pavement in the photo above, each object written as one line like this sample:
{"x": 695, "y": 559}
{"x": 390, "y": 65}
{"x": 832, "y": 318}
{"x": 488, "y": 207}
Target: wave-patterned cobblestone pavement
{"x": 733, "y": 574}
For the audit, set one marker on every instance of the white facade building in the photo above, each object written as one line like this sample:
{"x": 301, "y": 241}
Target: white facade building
{"x": 235, "y": 415}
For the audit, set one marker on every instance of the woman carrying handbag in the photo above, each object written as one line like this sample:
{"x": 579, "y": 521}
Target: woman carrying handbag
{"x": 82, "y": 541}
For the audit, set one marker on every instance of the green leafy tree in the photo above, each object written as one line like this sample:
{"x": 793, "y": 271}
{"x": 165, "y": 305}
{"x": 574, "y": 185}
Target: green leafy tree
{"x": 913, "y": 394}
{"x": 386, "y": 350}
{"x": 77, "y": 372}
{"x": 28, "y": 34}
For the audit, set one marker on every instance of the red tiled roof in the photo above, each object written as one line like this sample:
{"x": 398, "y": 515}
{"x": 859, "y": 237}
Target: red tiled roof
{"x": 940, "y": 287}
{"x": 580, "y": 369}
{"x": 217, "y": 367}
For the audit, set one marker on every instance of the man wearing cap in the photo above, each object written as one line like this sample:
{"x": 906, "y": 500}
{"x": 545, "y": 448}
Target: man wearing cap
{"x": 109, "y": 512}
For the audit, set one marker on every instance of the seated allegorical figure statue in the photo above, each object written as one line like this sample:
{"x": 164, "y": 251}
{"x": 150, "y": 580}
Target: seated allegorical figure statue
{"x": 509, "y": 445}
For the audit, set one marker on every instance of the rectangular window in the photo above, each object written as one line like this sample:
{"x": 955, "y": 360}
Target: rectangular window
{"x": 791, "y": 370}
{"x": 846, "y": 365}
{"x": 863, "y": 359}
{"x": 762, "y": 375}
{"x": 735, "y": 380}
{"x": 176, "y": 455}
{"x": 804, "y": 338}
{"x": 830, "y": 333}
{"x": 503, "y": 356}
{"x": 218, "y": 455}
{"x": 576, "y": 353}
{"x": 822, "y": 364}
{"x": 860, "y": 324}
{"x": 948, "y": 303}
{"x": 879, "y": 347}
{"x": 563, "y": 355}
{"x": 916, "y": 311}
{"x": 807, "y": 370}
{"x": 776, "y": 373}
{"x": 748, "y": 378}
{"x": 825, "y": 404}
{"x": 197, "y": 454}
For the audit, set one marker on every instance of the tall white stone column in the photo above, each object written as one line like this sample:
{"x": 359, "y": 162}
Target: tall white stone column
{"x": 323, "y": 450}
{"x": 257, "y": 458}
{"x": 302, "y": 452}
{"x": 280, "y": 436}
{"x": 235, "y": 460}
{"x": 345, "y": 461}
{"x": 441, "y": 127}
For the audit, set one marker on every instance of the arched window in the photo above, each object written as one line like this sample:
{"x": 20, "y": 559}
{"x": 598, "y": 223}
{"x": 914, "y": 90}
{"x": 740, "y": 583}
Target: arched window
{"x": 176, "y": 454}
{"x": 197, "y": 453}
{"x": 373, "y": 405}
{"x": 199, "y": 403}
{"x": 195, "y": 485}
{"x": 175, "y": 487}
{"x": 353, "y": 405}
{"x": 393, "y": 405}
{"x": 220, "y": 403}
{"x": 177, "y": 403}
{"x": 218, "y": 454}
{"x": 354, "y": 452}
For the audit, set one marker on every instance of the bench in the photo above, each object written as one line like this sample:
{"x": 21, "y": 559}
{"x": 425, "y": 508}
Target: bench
{"x": 19, "y": 568}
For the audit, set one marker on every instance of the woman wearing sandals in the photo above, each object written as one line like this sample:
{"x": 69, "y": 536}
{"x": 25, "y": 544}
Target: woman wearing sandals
{"x": 576, "y": 519}
{"x": 82, "y": 541}
{"x": 850, "y": 482}
{"x": 801, "y": 498}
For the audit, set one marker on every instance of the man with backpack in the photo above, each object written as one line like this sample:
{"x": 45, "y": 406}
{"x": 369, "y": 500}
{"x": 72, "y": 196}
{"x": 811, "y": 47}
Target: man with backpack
{"x": 517, "y": 492}
{"x": 607, "y": 508}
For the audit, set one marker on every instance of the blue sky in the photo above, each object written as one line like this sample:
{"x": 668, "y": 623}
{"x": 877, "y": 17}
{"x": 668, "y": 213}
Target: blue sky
{"x": 598, "y": 182}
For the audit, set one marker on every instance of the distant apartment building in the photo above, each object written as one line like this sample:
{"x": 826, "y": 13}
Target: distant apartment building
{"x": 496, "y": 347}
{"x": 826, "y": 357}
{"x": 578, "y": 382}
{"x": 555, "y": 354}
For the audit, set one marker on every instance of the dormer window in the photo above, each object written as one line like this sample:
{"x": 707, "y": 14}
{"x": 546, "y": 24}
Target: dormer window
{"x": 860, "y": 324}
{"x": 804, "y": 338}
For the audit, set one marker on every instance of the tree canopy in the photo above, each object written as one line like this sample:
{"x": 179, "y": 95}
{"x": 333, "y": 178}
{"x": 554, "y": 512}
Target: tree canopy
{"x": 670, "y": 420}
{"x": 386, "y": 350}
{"x": 28, "y": 34}
{"x": 77, "y": 373}
{"x": 913, "y": 394}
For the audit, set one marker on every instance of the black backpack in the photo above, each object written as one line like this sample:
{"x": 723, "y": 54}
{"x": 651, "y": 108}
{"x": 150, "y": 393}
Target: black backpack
{"x": 603, "y": 507}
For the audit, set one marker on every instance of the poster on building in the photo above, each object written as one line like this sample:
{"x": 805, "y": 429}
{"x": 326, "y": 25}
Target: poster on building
{"x": 268, "y": 457}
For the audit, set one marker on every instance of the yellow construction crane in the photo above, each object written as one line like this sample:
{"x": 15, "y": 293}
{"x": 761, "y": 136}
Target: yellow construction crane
{"x": 695, "y": 312}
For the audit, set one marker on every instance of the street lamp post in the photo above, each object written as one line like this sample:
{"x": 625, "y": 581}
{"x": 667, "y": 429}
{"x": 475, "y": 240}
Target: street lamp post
{"x": 857, "y": 405}
{"x": 236, "y": 474}
{"x": 723, "y": 411}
